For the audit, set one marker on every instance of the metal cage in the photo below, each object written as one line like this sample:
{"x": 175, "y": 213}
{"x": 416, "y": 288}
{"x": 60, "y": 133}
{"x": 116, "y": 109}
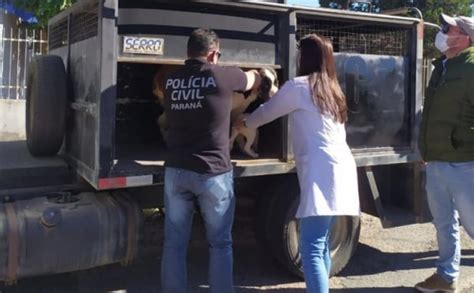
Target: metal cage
{"x": 357, "y": 37}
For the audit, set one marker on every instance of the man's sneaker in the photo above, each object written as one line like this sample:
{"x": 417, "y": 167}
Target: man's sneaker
{"x": 436, "y": 283}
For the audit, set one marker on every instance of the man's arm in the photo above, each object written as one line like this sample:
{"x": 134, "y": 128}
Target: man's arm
{"x": 253, "y": 80}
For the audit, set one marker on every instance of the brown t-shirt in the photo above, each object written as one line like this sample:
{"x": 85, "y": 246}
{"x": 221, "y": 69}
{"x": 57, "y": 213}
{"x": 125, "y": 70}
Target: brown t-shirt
{"x": 198, "y": 102}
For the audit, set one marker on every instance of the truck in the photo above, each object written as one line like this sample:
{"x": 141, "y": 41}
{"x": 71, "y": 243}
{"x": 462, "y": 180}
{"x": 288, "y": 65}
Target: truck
{"x": 98, "y": 152}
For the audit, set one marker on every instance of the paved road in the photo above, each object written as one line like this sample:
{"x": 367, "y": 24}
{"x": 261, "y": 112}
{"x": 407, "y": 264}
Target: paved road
{"x": 386, "y": 261}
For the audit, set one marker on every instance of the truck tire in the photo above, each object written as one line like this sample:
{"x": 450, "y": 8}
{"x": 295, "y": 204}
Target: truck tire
{"x": 283, "y": 235}
{"x": 46, "y": 100}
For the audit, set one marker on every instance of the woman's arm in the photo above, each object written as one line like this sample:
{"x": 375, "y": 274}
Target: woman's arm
{"x": 285, "y": 101}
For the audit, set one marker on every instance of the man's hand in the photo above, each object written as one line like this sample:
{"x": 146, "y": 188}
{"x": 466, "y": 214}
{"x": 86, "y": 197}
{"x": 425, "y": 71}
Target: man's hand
{"x": 253, "y": 80}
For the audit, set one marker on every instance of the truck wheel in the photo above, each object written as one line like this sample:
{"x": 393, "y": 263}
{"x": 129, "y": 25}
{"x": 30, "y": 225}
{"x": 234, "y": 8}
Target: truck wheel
{"x": 266, "y": 203}
{"x": 46, "y": 100}
{"x": 284, "y": 236}
{"x": 344, "y": 238}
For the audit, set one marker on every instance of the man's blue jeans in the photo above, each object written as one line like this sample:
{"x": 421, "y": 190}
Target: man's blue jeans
{"x": 450, "y": 191}
{"x": 315, "y": 252}
{"x": 215, "y": 197}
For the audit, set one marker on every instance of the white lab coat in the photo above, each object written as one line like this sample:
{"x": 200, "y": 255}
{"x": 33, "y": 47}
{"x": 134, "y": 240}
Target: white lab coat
{"x": 326, "y": 169}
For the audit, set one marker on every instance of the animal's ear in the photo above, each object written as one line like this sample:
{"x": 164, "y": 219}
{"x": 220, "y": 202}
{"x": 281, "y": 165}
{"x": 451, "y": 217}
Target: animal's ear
{"x": 265, "y": 85}
{"x": 275, "y": 76}
{"x": 247, "y": 94}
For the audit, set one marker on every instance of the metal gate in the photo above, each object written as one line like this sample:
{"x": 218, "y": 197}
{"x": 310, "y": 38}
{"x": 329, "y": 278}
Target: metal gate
{"x": 17, "y": 47}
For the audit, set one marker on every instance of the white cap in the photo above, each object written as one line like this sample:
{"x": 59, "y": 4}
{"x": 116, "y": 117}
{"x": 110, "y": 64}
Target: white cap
{"x": 466, "y": 24}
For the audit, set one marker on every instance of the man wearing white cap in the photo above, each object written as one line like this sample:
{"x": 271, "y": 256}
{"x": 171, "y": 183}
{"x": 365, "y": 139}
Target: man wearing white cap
{"x": 446, "y": 144}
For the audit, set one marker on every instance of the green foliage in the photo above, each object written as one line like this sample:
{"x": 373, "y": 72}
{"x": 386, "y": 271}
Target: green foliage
{"x": 43, "y": 9}
{"x": 431, "y": 10}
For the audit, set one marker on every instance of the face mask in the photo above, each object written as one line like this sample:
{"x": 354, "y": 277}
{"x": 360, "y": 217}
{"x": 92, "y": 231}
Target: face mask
{"x": 441, "y": 42}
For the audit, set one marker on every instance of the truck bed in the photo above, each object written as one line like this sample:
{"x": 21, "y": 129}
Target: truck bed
{"x": 19, "y": 169}
{"x": 135, "y": 160}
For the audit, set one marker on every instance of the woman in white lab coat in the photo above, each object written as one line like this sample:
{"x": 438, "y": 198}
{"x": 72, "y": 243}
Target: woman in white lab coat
{"x": 326, "y": 169}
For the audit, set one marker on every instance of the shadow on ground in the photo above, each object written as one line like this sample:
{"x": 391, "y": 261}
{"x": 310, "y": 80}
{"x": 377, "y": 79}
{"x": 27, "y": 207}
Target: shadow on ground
{"x": 380, "y": 261}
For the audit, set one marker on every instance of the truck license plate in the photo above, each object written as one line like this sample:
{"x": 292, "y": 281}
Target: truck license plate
{"x": 143, "y": 45}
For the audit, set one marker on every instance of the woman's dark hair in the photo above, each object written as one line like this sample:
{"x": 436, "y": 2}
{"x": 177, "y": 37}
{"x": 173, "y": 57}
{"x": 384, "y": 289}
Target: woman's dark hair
{"x": 202, "y": 41}
{"x": 317, "y": 61}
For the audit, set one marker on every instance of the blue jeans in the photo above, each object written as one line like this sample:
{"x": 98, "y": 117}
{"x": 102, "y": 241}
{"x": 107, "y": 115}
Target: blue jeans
{"x": 215, "y": 197}
{"x": 450, "y": 191}
{"x": 315, "y": 252}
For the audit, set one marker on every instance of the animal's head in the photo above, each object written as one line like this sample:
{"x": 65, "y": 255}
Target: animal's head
{"x": 269, "y": 85}
{"x": 159, "y": 80}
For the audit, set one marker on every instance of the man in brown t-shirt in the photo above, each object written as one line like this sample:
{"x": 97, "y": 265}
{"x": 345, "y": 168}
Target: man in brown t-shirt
{"x": 198, "y": 170}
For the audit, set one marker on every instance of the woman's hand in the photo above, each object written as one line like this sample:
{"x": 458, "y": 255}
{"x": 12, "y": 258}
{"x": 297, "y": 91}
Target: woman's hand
{"x": 239, "y": 123}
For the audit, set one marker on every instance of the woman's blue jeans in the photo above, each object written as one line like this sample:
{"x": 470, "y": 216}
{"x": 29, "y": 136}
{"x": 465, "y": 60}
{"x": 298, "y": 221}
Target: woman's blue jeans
{"x": 315, "y": 252}
{"x": 215, "y": 197}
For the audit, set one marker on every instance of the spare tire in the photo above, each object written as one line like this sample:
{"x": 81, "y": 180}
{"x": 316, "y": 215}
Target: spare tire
{"x": 46, "y": 101}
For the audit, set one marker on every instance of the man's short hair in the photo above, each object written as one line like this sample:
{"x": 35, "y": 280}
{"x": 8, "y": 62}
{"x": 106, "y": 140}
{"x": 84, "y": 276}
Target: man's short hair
{"x": 201, "y": 42}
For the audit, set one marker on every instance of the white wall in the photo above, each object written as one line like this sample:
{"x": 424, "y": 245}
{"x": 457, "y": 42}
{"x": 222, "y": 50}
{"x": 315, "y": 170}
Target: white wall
{"x": 12, "y": 120}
